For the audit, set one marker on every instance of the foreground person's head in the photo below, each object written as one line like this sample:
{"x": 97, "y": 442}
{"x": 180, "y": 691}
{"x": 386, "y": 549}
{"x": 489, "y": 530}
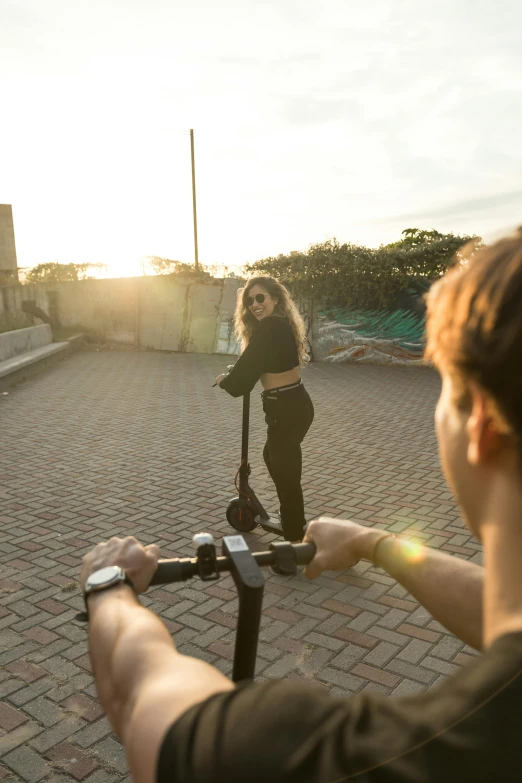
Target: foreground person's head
{"x": 475, "y": 341}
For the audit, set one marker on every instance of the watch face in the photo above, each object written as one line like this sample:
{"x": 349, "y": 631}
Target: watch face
{"x": 104, "y": 576}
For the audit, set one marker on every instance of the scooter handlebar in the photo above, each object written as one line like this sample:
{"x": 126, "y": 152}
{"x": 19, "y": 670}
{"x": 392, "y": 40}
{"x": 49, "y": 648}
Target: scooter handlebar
{"x": 304, "y": 553}
{"x": 181, "y": 569}
{"x": 176, "y": 570}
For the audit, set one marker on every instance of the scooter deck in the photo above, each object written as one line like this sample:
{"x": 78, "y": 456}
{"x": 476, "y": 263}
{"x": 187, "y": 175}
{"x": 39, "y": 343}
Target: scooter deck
{"x": 270, "y": 524}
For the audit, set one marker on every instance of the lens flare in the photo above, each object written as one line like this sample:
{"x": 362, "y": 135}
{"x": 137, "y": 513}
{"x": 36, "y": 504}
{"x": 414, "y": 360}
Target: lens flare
{"x": 414, "y": 553}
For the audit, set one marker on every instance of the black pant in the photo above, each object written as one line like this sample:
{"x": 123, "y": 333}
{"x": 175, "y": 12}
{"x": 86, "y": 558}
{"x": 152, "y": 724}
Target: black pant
{"x": 289, "y": 414}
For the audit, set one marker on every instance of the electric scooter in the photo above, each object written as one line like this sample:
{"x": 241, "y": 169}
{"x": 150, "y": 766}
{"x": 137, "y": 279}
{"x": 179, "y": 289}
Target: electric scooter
{"x": 245, "y": 512}
{"x": 249, "y": 580}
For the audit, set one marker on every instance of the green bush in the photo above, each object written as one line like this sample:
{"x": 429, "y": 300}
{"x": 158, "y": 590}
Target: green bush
{"x": 367, "y": 278}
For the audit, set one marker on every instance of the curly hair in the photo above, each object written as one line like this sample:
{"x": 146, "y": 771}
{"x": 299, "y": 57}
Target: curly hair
{"x": 246, "y": 323}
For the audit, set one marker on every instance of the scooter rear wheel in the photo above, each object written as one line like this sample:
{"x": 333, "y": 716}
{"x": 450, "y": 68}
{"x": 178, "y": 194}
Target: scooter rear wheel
{"x": 241, "y": 515}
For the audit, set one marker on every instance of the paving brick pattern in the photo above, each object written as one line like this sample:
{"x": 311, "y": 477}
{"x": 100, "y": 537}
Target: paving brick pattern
{"x": 139, "y": 443}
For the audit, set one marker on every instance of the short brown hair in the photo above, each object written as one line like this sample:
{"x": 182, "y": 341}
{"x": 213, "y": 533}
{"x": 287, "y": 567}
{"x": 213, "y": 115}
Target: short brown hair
{"x": 475, "y": 326}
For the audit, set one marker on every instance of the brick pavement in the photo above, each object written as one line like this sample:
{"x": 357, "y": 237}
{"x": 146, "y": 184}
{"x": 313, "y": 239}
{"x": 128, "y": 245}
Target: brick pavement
{"x": 139, "y": 443}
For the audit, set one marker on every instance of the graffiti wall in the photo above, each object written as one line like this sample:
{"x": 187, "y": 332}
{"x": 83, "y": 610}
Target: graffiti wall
{"x": 383, "y": 337}
{"x": 393, "y": 335}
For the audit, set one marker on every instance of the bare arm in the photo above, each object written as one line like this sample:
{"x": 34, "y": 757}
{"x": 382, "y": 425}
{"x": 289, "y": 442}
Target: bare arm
{"x": 448, "y": 587}
{"x": 143, "y": 683}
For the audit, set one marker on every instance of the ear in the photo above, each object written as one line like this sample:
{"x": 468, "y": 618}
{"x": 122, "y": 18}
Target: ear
{"x": 484, "y": 436}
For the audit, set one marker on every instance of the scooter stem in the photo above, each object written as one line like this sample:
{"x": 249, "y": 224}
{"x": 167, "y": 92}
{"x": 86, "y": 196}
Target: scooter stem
{"x": 246, "y": 424}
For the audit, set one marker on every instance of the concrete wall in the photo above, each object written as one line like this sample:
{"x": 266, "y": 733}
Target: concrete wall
{"x": 161, "y": 312}
{"x": 22, "y": 341}
{"x": 8, "y": 263}
{"x": 180, "y": 315}
{"x": 105, "y": 308}
{"x": 177, "y": 315}
{"x": 11, "y": 313}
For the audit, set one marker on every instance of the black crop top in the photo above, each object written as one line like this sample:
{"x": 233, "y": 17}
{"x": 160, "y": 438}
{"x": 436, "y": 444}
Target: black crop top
{"x": 271, "y": 348}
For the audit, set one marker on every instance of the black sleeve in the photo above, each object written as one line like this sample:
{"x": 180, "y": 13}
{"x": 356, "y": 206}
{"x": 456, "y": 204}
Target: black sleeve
{"x": 254, "y": 733}
{"x": 250, "y": 365}
{"x": 281, "y": 731}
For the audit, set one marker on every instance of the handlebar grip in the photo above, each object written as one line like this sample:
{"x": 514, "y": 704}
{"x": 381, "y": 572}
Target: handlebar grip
{"x": 304, "y": 553}
{"x": 174, "y": 571}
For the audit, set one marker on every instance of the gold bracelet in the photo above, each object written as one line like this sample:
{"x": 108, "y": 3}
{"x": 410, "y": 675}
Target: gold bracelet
{"x": 379, "y": 541}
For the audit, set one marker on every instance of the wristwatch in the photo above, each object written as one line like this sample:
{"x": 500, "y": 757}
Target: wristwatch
{"x": 103, "y": 579}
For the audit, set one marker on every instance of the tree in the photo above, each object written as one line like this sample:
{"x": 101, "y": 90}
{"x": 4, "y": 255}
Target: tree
{"x": 157, "y": 265}
{"x": 417, "y": 236}
{"x": 356, "y": 276}
{"x": 54, "y": 272}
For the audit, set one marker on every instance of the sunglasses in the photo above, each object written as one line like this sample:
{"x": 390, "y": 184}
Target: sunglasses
{"x": 260, "y": 298}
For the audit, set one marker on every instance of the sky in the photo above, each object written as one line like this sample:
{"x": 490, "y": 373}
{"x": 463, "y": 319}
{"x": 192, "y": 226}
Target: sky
{"x": 312, "y": 119}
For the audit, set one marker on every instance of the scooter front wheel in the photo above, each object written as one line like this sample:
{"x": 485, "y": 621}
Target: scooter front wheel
{"x": 241, "y": 515}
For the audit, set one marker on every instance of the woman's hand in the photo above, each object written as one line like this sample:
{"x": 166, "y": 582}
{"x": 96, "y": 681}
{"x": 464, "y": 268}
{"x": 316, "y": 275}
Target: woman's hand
{"x": 340, "y": 544}
{"x": 220, "y": 378}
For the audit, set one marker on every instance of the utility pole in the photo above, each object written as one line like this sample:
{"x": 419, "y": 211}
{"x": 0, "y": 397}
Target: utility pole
{"x": 196, "y": 260}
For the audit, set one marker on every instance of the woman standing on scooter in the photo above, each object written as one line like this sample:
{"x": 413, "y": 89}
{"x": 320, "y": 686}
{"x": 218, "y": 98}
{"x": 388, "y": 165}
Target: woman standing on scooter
{"x": 272, "y": 334}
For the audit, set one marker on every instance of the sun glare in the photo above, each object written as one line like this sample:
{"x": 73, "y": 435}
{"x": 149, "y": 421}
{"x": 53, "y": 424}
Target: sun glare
{"x": 414, "y": 552}
{"x": 125, "y": 267}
